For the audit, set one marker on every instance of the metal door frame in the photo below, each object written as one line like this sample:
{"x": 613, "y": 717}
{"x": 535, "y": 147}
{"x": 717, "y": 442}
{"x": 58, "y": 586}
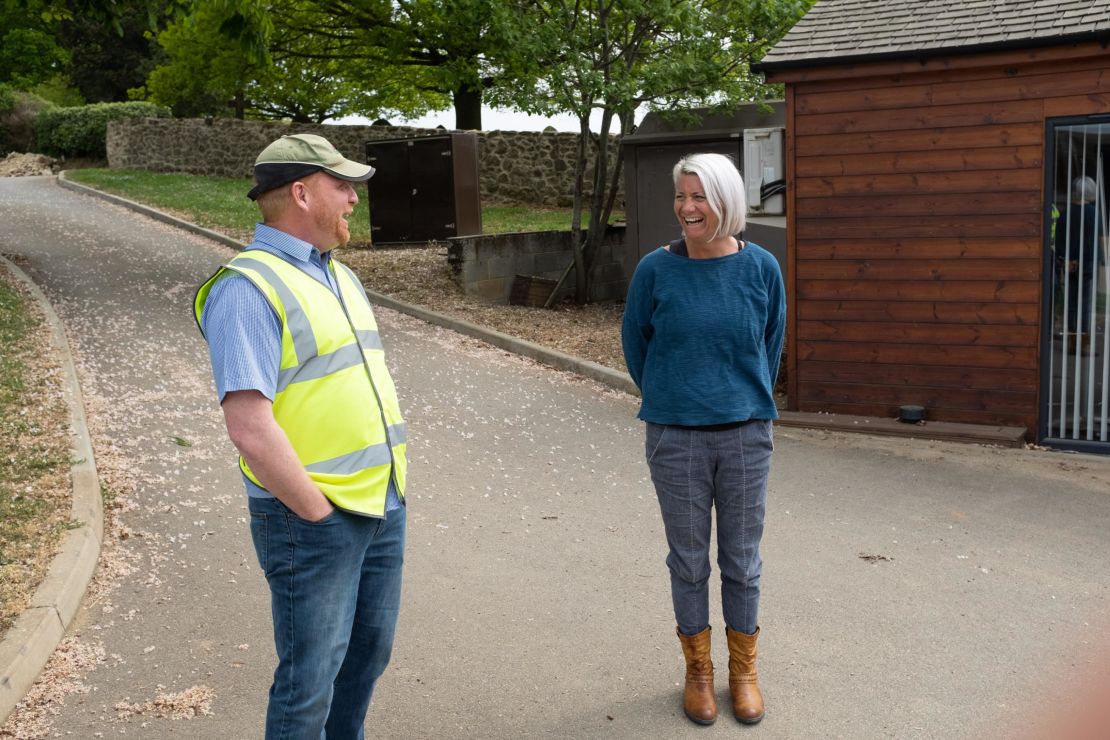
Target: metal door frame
{"x": 1048, "y": 277}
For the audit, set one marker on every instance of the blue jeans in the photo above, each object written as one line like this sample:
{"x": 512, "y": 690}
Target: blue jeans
{"x": 335, "y": 591}
{"x": 695, "y": 472}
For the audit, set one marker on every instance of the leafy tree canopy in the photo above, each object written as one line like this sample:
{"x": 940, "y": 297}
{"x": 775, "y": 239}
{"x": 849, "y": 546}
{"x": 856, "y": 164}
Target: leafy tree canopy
{"x": 108, "y": 57}
{"x": 29, "y": 53}
{"x": 106, "y": 12}
{"x": 216, "y": 59}
{"x": 74, "y": 50}
{"x": 445, "y": 52}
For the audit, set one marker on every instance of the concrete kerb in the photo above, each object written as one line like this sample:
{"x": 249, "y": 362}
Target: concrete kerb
{"x": 147, "y": 211}
{"x": 38, "y": 630}
{"x": 553, "y": 358}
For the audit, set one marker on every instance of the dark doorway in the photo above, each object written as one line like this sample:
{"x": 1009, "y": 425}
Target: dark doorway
{"x": 1075, "y": 357}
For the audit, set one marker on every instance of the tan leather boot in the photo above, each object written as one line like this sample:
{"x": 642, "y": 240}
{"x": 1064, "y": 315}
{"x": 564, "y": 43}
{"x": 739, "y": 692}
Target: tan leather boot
{"x": 698, "y": 700}
{"x": 743, "y": 681}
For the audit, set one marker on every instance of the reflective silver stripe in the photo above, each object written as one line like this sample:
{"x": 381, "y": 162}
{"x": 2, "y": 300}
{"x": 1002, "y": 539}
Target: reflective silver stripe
{"x": 304, "y": 341}
{"x": 320, "y": 366}
{"x": 369, "y": 339}
{"x": 368, "y": 457}
{"x": 323, "y": 365}
{"x": 397, "y": 434}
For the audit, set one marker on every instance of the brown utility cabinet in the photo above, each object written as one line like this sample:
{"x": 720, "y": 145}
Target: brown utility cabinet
{"x": 424, "y": 188}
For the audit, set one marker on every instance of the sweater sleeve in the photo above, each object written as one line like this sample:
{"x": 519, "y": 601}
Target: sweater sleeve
{"x": 775, "y": 333}
{"x": 636, "y": 329}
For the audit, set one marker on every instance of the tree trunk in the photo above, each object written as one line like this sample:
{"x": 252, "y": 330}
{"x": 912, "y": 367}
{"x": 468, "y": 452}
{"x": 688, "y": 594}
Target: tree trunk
{"x": 595, "y": 232}
{"x": 577, "y": 242}
{"x": 468, "y": 109}
{"x": 626, "y": 119}
{"x": 239, "y": 105}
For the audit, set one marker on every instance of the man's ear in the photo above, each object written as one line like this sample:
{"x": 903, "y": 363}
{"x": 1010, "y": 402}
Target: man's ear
{"x": 299, "y": 194}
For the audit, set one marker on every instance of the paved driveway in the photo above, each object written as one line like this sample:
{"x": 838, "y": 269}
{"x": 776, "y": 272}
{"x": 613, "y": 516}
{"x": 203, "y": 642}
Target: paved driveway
{"x": 912, "y": 589}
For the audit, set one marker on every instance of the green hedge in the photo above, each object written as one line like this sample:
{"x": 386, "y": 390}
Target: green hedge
{"x": 81, "y": 131}
{"x": 18, "y": 111}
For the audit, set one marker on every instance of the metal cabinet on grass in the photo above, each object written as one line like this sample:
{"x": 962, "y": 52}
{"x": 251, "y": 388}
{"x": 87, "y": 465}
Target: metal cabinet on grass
{"x": 424, "y": 188}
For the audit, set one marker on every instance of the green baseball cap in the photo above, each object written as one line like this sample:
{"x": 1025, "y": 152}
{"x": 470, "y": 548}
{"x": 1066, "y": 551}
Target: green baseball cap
{"x": 294, "y": 156}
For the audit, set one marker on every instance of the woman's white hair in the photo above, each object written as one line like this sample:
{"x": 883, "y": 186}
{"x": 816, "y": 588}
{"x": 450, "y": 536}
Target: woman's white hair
{"x": 723, "y": 187}
{"x": 1084, "y": 188}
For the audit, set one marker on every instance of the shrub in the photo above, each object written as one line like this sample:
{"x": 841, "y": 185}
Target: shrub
{"x": 82, "y": 131}
{"x": 59, "y": 91}
{"x": 18, "y": 111}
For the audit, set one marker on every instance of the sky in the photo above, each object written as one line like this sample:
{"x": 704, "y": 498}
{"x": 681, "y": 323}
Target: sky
{"x": 493, "y": 119}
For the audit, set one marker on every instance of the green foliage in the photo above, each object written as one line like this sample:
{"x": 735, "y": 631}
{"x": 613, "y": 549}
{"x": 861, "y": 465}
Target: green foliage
{"x": 29, "y": 52}
{"x": 59, "y": 91}
{"x": 107, "y": 13}
{"x": 508, "y": 219}
{"x": 99, "y": 47}
{"x": 15, "y": 323}
{"x": 462, "y": 48}
{"x": 411, "y": 56}
{"x": 218, "y": 203}
{"x": 18, "y": 111}
{"x": 230, "y": 58}
{"x": 203, "y": 71}
{"x": 107, "y": 58}
{"x": 81, "y": 131}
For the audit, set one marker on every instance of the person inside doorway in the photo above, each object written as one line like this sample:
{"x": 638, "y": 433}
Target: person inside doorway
{"x": 1079, "y": 234}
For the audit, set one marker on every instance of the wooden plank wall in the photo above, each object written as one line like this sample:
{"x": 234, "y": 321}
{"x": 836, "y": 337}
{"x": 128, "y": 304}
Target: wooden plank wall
{"x": 917, "y": 213}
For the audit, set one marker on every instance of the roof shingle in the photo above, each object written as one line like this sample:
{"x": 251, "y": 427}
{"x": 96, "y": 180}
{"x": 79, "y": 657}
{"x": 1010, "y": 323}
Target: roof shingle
{"x": 835, "y": 29}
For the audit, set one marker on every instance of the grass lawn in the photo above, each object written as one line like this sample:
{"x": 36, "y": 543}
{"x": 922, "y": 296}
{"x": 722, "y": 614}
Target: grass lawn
{"x": 34, "y": 452}
{"x": 221, "y": 203}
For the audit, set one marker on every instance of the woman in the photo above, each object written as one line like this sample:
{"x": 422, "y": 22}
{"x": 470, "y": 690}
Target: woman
{"x": 702, "y": 332}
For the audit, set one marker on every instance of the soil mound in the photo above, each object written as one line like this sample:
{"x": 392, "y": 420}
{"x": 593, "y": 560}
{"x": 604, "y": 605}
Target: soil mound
{"x": 18, "y": 164}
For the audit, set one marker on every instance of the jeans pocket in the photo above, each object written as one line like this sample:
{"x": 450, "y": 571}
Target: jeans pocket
{"x": 260, "y": 536}
{"x": 329, "y": 519}
{"x": 654, "y": 440}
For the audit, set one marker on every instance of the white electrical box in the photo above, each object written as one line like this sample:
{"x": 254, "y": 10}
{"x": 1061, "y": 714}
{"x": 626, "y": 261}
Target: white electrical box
{"x": 764, "y": 173}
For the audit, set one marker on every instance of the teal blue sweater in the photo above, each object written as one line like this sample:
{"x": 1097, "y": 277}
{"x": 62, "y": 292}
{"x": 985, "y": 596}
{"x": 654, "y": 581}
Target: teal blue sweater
{"x": 702, "y": 337}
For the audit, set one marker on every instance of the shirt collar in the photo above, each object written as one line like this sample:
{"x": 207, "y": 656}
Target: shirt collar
{"x": 288, "y": 245}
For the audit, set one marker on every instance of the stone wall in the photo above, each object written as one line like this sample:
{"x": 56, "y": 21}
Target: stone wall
{"x": 516, "y": 166}
{"x": 486, "y": 266}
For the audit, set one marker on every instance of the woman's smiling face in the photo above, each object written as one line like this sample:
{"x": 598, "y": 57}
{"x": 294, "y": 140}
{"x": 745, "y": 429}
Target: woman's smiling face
{"x": 692, "y": 210}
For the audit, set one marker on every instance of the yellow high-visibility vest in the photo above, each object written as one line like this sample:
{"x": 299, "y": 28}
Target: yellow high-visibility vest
{"x": 1052, "y": 228}
{"x": 335, "y": 398}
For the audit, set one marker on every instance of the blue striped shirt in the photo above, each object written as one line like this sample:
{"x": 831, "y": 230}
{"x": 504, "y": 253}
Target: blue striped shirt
{"x": 244, "y": 332}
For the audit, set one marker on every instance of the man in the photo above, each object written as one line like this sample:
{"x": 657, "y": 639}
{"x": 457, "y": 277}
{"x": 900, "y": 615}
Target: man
{"x": 310, "y": 406}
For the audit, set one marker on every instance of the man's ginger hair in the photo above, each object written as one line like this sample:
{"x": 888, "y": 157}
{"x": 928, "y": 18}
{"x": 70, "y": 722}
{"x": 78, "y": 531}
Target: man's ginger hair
{"x": 273, "y": 202}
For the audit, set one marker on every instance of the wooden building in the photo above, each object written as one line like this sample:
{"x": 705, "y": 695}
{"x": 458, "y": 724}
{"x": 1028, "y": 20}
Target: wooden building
{"x": 931, "y": 145}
